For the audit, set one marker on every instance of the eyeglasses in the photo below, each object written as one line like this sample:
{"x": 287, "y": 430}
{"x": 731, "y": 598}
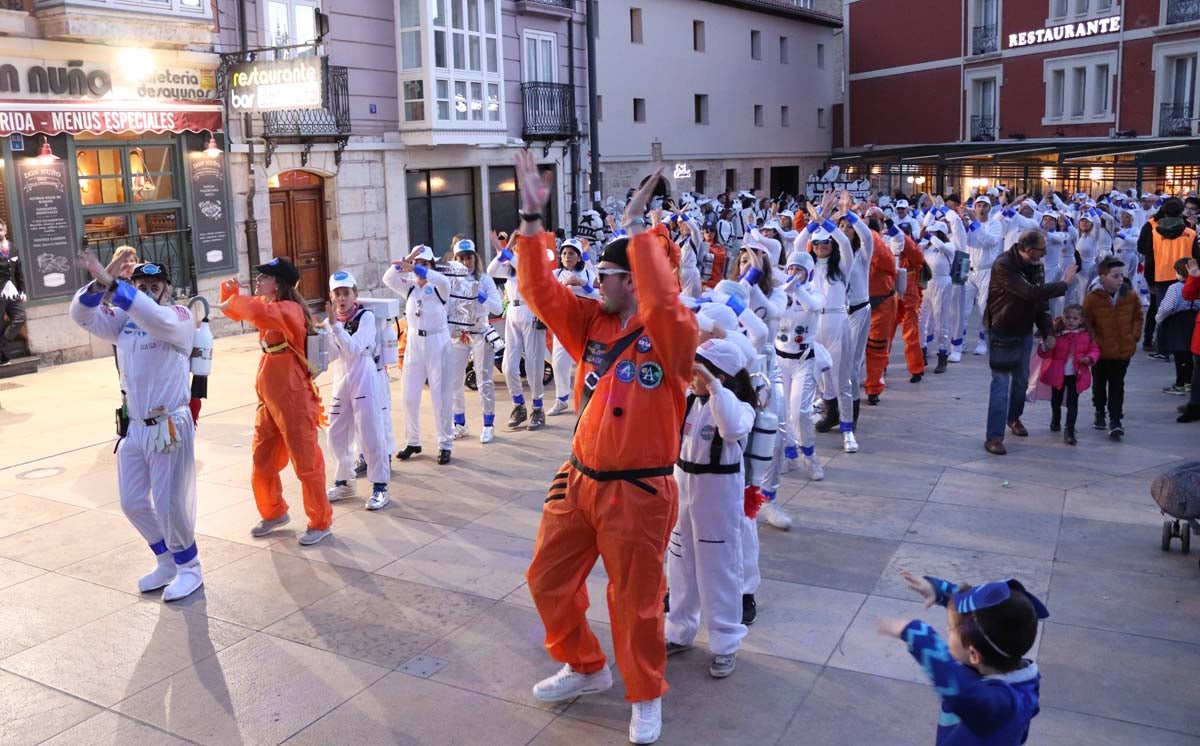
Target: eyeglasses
{"x": 823, "y": 242}
{"x": 611, "y": 271}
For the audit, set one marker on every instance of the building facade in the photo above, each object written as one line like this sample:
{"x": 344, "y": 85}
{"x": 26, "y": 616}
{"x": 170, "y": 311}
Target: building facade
{"x": 743, "y": 98}
{"x": 1083, "y": 95}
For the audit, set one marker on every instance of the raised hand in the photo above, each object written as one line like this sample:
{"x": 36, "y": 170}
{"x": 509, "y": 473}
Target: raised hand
{"x": 921, "y": 587}
{"x": 535, "y": 187}
{"x": 631, "y": 221}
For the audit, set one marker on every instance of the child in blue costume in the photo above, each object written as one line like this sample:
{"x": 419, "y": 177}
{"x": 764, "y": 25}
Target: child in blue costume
{"x": 989, "y": 692}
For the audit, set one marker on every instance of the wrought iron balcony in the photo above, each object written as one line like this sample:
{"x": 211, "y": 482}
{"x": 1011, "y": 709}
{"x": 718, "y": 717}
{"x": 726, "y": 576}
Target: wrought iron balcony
{"x": 549, "y": 111}
{"x": 331, "y": 121}
{"x": 983, "y": 128}
{"x": 985, "y": 39}
{"x": 1175, "y": 120}
{"x": 1183, "y": 11}
{"x": 552, "y": 8}
{"x": 172, "y": 248}
{"x": 568, "y": 4}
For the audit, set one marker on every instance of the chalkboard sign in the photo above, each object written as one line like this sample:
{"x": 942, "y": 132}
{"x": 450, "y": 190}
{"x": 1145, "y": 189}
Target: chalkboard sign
{"x": 49, "y": 227}
{"x": 212, "y": 243}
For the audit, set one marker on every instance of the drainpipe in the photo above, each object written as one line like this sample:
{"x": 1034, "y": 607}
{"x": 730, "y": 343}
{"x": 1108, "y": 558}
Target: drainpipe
{"x": 247, "y": 132}
{"x": 597, "y": 185}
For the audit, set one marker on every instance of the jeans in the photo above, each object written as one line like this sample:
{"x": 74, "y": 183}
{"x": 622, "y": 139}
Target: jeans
{"x": 14, "y": 311}
{"x": 1006, "y": 399}
{"x": 1068, "y": 391}
{"x": 1108, "y": 387}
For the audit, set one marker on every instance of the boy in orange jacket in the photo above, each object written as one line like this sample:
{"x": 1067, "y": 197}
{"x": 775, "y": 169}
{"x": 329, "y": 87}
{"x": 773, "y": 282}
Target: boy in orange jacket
{"x": 1114, "y": 313}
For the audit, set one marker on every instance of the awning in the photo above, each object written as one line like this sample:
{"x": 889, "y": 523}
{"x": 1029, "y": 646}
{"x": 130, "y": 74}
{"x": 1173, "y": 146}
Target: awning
{"x": 32, "y": 118}
{"x": 1145, "y": 151}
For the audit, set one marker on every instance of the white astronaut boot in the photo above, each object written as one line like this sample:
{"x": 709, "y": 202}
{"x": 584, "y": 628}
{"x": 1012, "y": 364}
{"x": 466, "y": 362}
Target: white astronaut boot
{"x": 187, "y": 581}
{"x": 161, "y": 576}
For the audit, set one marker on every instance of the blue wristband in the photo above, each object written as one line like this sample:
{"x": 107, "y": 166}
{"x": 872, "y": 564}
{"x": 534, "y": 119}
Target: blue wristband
{"x": 736, "y": 304}
{"x": 588, "y": 289}
{"x": 974, "y": 225}
{"x": 893, "y": 231}
{"x": 829, "y": 226}
{"x": 91, "y": 300}
{"x": 852, "y": 218}
{"x": 482, "y": 297}
{"x": 586, "y": 257}
{"x": 752, "y": 275}
{"x": 506, "y": 256}
{"x": 421, "y": 271}
{"x": 124, "y": 295}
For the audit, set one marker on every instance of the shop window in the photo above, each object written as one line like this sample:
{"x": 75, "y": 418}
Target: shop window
{"x": 118, "y": 175}
{"x": 503, "y": 196}
{"x": 101, "y": 176}
{"x": 441, "y": 203}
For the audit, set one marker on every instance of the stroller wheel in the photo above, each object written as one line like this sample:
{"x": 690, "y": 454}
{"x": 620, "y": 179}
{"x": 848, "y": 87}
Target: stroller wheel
{"x": 1166, "y": 536}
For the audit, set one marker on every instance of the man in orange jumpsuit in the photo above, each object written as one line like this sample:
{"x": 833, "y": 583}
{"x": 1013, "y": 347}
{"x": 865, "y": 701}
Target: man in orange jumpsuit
{"x": 615, "y": 497}
{"x": 909, "y": 309}
{"x": 289, "y": 410}
{"x": 882, "y": 291}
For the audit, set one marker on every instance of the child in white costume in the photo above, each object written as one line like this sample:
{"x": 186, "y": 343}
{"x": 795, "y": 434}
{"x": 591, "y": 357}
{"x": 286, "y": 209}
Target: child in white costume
{"x": 473, "y": 298}
{"x": 704, "y": 568}
{"x": 801, "y": 357}
{"x": 575, "y": 272}
{"x": 156, "y": 459}
{"x": 358, "y": 405}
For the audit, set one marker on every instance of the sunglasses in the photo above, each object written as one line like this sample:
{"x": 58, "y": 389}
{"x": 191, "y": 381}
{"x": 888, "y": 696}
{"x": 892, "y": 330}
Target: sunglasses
{"x": 824, "y": 242}
{"x": 611, "y": 271}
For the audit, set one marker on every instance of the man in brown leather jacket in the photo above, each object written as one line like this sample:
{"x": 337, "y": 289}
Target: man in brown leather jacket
{"x": 1018, "y": 300}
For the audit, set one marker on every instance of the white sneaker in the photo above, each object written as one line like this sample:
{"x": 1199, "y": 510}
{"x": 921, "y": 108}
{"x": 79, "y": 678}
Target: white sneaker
{"x": 981, "y": 348}
{"x": 568, "y": 684}
{"x": 790, "y": 465}
{"x": 849, "y": 444}
{"x": 645, "y": 722}
{"x": 956, "y": 356}
{"x": 160, "y": 576}
{"x": 339, "y": 492}
{"x": 488, "y": 435}
{"x": 777, "y": 517}
{"x": 558, "y": 407}
{"x": 461, "y": 431}
{"x": 187, "y": 581}
{"x": 815, "y": 472}
{"x": 379, "y": 498}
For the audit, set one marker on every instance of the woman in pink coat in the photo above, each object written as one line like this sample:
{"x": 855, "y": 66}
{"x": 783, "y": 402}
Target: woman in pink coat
{"x": 1069, "y": 356}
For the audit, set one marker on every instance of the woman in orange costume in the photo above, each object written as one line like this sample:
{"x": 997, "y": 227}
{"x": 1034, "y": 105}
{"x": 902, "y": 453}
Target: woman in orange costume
{"x": 289, "y": 410}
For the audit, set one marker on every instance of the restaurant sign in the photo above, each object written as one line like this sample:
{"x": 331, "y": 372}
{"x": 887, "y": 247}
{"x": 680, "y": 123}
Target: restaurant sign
{"x": 279, "y": 84}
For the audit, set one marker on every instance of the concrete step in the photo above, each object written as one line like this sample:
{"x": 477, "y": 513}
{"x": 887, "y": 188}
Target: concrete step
{"x": 20, "y": 366}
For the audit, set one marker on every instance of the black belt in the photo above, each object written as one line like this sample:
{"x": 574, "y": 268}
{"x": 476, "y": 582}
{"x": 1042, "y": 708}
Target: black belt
{"x": 858, "y": 307}
{"x": 876, "y": 300}
{"x": 694, "y": 468}
{"x": 801, "y": 355}
{"x": 426, "y": 333}
{"x": 515, "y": 303}
{"x": 633, "y": 476}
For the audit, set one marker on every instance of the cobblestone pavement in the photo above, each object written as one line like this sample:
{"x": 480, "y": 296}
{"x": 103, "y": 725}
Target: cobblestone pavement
{"x": 413, "y": 625}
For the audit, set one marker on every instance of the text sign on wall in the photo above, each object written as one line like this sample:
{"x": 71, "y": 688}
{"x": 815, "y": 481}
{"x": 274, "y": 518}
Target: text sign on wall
{"x": 834, "y": 180}
{"x": 211, "y": 242}
{"x": 49, "y": 228}
{"x": 1080, "y": 30}
{"x": 282, "y": 84}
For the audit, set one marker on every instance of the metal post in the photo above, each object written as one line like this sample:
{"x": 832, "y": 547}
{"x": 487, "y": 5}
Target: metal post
{"x": 247, "y": 132}
{"x": 597, "y": 181}
{"x": 573, "y": 123}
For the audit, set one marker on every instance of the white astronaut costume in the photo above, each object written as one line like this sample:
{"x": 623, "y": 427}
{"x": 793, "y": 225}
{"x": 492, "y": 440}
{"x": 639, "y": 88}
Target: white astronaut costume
{"x": 937, "y": 307}
{"x": 560, "y": 360}
{"x": 906, "y": 218}
{"x": 358, "y": 406}
{"x": 1060, "y": 245}
{"x": 690, "y": 258}
{"x": 156, "y": 460}
{"x": 1094, "y": 244}
{"x": 801, "y": 357}
{"x": 1125, "y": 249}
{"x": 858, "y": 304}
{"x": 473, "y": 299}
{"x": 522, "y": 339}
{"x": 984, "y": 244}
{"x": 704, "y": 570}
{"x": 427, "y": 349}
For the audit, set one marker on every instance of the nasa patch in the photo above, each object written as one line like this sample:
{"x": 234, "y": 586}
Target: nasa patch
{"x": 650, "y": 375}
{"x": 707, "y": 432}
{"x": 643, "y": 344}
{"x": 429, "y": 289}
{"x": 625, "y": 371}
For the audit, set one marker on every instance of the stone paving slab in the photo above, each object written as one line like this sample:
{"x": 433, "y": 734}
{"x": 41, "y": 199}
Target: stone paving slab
{"x": 312, "y": 645}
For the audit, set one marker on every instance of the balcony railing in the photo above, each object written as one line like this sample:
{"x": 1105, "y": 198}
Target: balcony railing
{"x": 332, "y": 121}
{"x": 1183, "y": 11}
{"x": 1175, "y": 120}
{"x": 983, "y": 128}
{"x": 568, "y": 4}
{"x": 985, "y": 39}
{"x": 549, "y": 111}
{"x": 172, "y": 248}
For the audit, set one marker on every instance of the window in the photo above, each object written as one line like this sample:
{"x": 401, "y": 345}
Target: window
{"x": 820, "y": 119}
{"x": 982, "y": 85}
{"x": 698, "y": 36}
{"x": 290, "y": 22}
{"x": 414, "y": 100}
{"x": 758, "y": 115}
{"x": 783, "y": 50}
{"x": 1079, "y": 88}
{"x": 755, "y": 45}
{"x": 639, "y": 110}
{"x": 701, "y": 179}
{"x": 701, "y": 106}
{"x": 410, "y": 35}
{"x": 820, "y": 56}
{"x": 115, "y": 174}
{"x": 1182, "y": 85}
{"x": 730, "y": 179}
{"x": 635, "y": 25}
{"x": 785, "y": 117}
{"x": 440, "y": 204}
{"x": 758, "y": 179}
{"x": 1061, "y": 10}
{"x": 466, "y": 58}
{"x": 1175, "y": 87}
{"x": 541, "y": 57}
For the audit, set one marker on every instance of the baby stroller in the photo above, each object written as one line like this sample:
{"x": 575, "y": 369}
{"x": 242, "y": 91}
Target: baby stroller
{"x": 1177, "y": 493}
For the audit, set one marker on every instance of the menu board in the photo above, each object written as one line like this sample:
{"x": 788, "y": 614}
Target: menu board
{"x": 212, "y": 242}
{"x": 49, "y": 236}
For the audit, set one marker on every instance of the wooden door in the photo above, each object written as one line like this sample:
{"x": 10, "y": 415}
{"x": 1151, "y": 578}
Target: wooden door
{"x": 298, "y": 234}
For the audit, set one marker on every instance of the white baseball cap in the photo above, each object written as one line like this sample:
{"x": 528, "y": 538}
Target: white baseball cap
{"x": 725, "y": 356}
{"x": 342, "y": 279}
{"x": 465, "y": 244}
{"x": 901, "y": 203}
{"x": 425, "y": 253}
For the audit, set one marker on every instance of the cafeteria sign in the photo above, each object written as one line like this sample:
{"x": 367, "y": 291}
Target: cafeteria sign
{"x": 281, "y": 84}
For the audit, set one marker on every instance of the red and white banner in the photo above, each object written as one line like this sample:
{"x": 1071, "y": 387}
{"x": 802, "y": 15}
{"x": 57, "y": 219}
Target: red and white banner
{"x": 22, "y": 118}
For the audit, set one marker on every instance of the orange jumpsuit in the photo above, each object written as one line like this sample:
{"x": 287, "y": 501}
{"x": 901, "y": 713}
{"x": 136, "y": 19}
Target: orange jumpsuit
{"x": 616, "y": 496}
{"x": 719, "y": 258}
{"x": 909, "y": 313}
{"x": 882, "y": 282}
{"x": 285, "y": 425}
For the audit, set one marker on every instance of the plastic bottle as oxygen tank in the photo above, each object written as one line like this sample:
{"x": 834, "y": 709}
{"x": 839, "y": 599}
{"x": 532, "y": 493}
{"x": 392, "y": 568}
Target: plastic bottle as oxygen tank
{"x": 202, "y": 350}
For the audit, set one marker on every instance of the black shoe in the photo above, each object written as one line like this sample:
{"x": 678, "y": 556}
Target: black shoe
{"x": 1100, "y": 423}
{"x": 1115, "y": 431}
{"x": 925, "y": 355}
{"x": 407, "y": 453}
{"x": 829, "y": 418}
{"x": 1018, "y": 429}
{"x": 943, "y": 359}
{"x": 1189, "y": 413}
{"x": 1158, "y": 356}
{"x": 749, "y": 609}
{"x": 1055, "y": 424}
{"x": 3, "y": 357}
{"x": 443, "y": 457}
{"x": 1069, "y": 437}
{"x": 873, "y": 399}
{"x": 518, "y": 416}
{"x": 667, "y": 603}
{"x": 537, "y": 419}
{"x": 916, "y": 377}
